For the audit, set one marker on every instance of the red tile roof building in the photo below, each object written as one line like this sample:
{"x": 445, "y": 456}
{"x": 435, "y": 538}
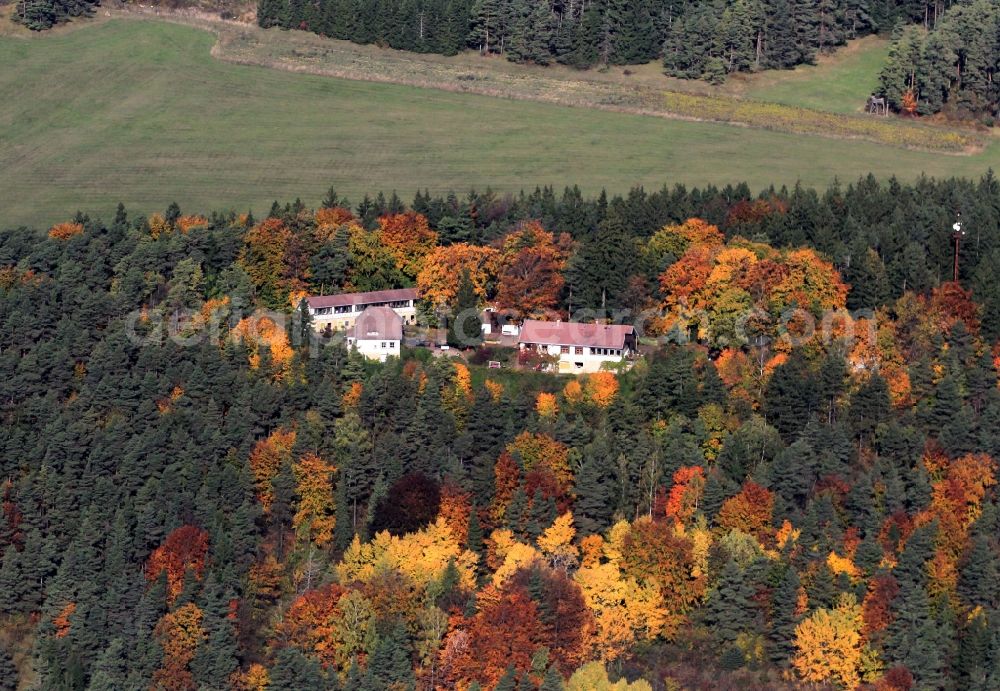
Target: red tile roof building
{"x": 341, "y": 311}
{"x": 579, "y": 347}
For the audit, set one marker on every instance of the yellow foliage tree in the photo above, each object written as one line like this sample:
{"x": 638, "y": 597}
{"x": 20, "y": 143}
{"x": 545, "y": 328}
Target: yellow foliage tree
{"x": 255, "y": 678}
{"x": 511, "y": 555}
{"x": 829, "y": 646}
{"x": 423, "y": 556}
{"x": 556, "y": 542}
{"x": 314, "y": 518}
{"x": 573, "y": 392}
{"x": 495, "y": 388}
{"x": 593, "y": 676}
{"x": 624, "y": 611}
{"x": 546, "y": 405}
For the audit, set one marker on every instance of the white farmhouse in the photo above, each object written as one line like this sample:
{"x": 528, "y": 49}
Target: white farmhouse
{"x": 340, "y": 312}
{"x": 581, "y": 348}
{"x": 377, "y": 333}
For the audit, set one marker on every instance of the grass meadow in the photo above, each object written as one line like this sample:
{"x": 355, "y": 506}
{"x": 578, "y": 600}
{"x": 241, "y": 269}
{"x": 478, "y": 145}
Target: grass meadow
{"x": 140, "y": 112}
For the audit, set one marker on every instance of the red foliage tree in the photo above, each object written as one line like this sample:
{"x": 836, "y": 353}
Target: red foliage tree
{"x": 507, "y": 476}
{"x": 505, "y": 631}
{"x": 875, "y": 609}
{"x": 309, "y": 622}
{"x": 566, "y": 620}
{"x": 184, "y": 550}
{"x": 530, "y": 277}
{"x": 749, "y": 511}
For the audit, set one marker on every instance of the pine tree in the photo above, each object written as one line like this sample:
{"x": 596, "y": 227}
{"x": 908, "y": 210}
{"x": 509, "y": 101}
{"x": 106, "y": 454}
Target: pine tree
{"x": 110, "y": 670}
{"x": 464, "y": 330}
{"x": 592, "y": 510}
{"x": 728, "y": 607}
{"x": 532, "y": 32}
{"x": 508, "y": 682}
{"x": 980, "y": 574}
{"x": 389, "y": 664}
{"x": 552, "y": 681}
{"x": 784, "y": 618}
{"x": 8, "y": 672}
{"x": 293, "y": 671}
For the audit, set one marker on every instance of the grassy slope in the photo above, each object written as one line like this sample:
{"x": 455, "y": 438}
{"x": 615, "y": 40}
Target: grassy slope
{"x": 140, "y": 112}
{"x": 840, "y": 83}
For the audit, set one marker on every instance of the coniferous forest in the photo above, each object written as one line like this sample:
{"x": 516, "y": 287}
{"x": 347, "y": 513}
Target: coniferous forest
{"x": 694, "y": 38}
{"x": 198, "y": 497}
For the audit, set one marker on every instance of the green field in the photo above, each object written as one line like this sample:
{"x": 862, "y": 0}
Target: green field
{"x": 840, "y": 83}
{"x": 138, "y": 111}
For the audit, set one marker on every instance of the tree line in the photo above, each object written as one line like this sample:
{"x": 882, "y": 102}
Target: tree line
{"x": 949, "y": 67}
{"x": 253, "y": 511}
{"x": 39, "y": 15}
{"x": 694, "y": 39}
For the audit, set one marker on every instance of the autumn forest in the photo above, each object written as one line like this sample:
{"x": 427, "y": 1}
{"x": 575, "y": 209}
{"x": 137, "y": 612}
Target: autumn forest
{"x": 793, "y": 485}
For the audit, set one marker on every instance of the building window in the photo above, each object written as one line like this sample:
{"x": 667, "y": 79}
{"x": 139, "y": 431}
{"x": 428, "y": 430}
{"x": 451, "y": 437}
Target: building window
{"x": 564, "y": 350}
{"x": 392, "y": 344}
{"x": 578, "y": 350}
{"x": 383, "y": 344}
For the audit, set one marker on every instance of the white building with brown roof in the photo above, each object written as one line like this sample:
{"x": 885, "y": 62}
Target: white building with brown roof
{"x": 580, "y": 348}
{"x": 341, "y": 311}
{"x": 377, "y": 333}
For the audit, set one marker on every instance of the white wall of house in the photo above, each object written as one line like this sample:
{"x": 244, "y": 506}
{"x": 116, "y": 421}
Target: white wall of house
{"x": 580, "y": 359}
{"x": 341, "y": 318}
{"x": 375, "y": 349}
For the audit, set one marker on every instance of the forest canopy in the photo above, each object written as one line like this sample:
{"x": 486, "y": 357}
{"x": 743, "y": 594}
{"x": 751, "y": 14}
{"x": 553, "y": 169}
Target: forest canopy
{"x": 695, "y": 39}
{"x": 250, "y": 511}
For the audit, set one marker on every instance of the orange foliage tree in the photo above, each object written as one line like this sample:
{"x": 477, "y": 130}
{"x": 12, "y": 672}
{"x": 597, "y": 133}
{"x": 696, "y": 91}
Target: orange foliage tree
{"x": 183, "y": 551}
{"x": 438, "y": 280}
{"x": 749, "y": 511}
{"x": 310, "y": 622}
{"x": 713, "y": 287}
{"x": 567, "y": 622}
{"x": 456, "y": 508}
{"x": 266, "y": 459}
{"x": 64, "y": 231}
{"x": 531, "y": 265}
{"x": 682, "y": 501}
{"x": 600, "y": 388}
{"x": 408, "y": 239}
{"x": 61, "y": 622}
{"x": 256, "y": 332}
{"x": 656, "y": 555}
{"x": 332, "y": 217}
{"x": 267, "y": 252}
{"x": 876, "y": 611}
{"x": 187, "y": 223}
{"x": 179, "y": 633}
{"x": 542, "y": 453}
